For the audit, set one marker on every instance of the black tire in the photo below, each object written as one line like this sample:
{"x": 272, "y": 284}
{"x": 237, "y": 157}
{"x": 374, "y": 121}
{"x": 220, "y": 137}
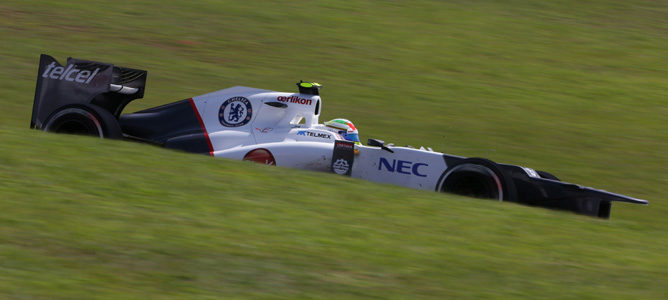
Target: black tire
{"x": 84, "y": 120}
{"x": 547, "y": 175}
{"x": 478, "y": 178}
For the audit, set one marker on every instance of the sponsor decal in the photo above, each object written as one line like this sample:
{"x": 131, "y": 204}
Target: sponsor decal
{"x": 340, "y": 166}
{"x": 294, "y": 99}
{"x": 401, "y": 166}
{"x": 343, "y": 157}
{"x": 321, "y": 135}
{"x": 69, "y": 73}
{"x": 235, "y": 112}
{"x": 531, "y": 172}
{"x": 343, "y": 146}
{"x": 261, "y": 156}
{"x": 264, "y": 130}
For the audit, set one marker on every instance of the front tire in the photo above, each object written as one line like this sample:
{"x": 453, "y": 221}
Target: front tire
{"x": 478, "y": 178}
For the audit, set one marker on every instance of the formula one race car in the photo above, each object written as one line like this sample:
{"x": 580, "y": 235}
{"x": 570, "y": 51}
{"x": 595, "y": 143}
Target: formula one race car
{"x": 275, "y": 128}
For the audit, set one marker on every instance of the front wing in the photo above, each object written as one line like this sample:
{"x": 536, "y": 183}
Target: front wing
{"x": 426, "y": 169}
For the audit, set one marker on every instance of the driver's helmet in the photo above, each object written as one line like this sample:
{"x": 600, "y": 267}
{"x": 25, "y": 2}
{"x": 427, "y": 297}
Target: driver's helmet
{"x": 345, "y": 128}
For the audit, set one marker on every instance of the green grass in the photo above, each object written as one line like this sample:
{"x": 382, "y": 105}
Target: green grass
{"x": 576, "y": 88}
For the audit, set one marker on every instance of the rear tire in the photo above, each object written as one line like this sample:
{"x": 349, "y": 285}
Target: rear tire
{"x": 478, "y": 178}
{"x": 89, "y": 120}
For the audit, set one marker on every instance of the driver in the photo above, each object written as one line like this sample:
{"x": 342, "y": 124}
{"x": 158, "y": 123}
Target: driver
{"x": 345, "y": 128}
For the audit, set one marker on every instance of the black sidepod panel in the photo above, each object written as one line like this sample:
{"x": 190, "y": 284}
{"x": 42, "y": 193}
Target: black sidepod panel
{"x": 175, "y": 125}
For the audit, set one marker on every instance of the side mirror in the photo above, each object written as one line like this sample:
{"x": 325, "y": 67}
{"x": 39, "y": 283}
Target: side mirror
{"x": 379, "y": 143}
{"x": 375, "y": 143}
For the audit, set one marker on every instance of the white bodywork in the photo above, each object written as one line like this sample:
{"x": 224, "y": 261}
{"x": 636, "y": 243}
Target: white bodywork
{"x": 287, "y": 125}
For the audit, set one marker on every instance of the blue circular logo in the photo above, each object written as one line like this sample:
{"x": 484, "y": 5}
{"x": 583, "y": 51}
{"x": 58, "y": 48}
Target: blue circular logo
{"x": 235, "y": 112}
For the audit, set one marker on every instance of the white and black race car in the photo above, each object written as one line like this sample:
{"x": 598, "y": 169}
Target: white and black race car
{"x": 282, "y": 129}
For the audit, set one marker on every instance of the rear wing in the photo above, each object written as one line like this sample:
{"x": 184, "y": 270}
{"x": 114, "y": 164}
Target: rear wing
{"x": 82, "y": 82}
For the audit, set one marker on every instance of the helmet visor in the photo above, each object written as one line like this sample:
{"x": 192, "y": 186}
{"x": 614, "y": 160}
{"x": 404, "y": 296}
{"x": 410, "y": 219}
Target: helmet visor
{"x": 351, "y": 137}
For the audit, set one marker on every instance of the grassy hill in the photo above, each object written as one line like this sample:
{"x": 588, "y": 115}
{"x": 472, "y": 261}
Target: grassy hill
{"x": 578, "y": 89}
